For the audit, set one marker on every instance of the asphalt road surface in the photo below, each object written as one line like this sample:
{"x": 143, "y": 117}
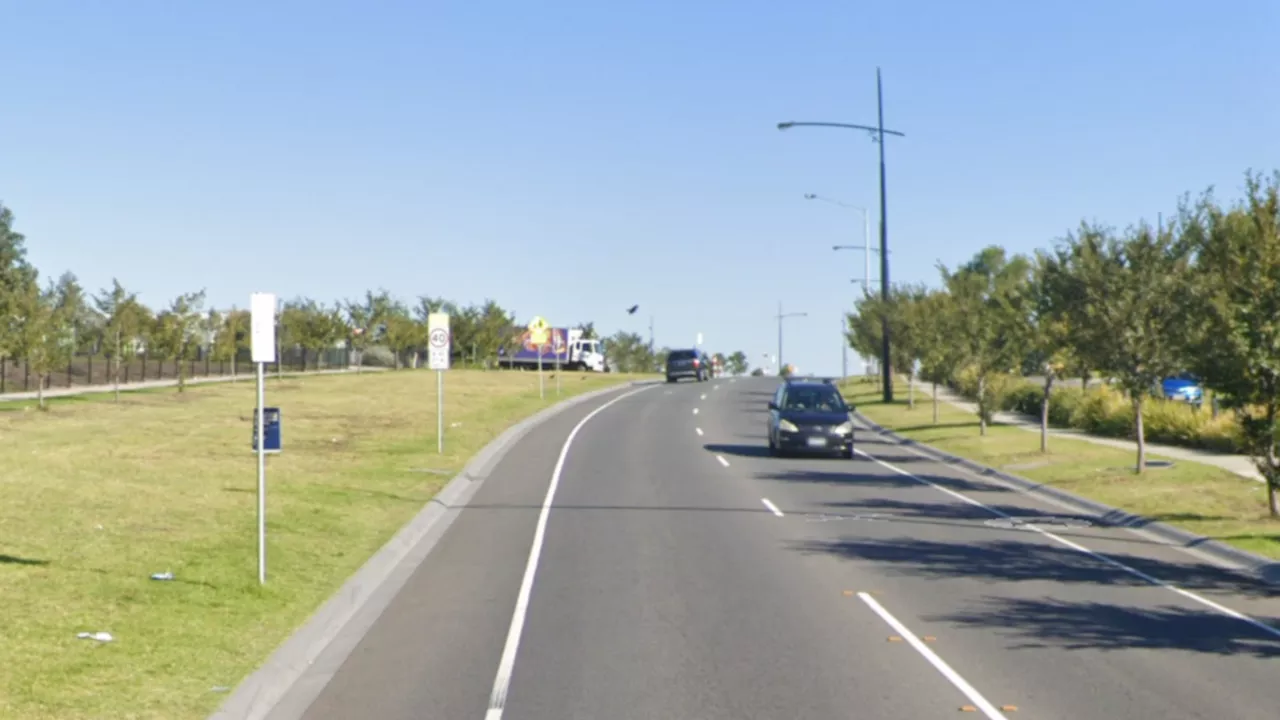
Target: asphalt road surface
{"x": 682, "y": 573}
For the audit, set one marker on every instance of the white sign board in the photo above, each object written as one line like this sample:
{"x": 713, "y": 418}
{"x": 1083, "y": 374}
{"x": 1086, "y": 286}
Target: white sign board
{"x": 438, "y": 341}
{"x": 262, "y": 327}
{"x": 699, "y": 343}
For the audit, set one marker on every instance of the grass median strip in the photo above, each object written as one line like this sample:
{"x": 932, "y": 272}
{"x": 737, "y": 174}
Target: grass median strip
{"x": 1200, "y": 498}
{"x": 96, "y": 496}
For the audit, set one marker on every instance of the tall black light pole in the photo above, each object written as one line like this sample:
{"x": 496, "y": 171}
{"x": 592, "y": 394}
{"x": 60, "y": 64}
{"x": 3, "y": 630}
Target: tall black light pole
{"x": 783, "y": 316}
{"x": 877, "y": 134}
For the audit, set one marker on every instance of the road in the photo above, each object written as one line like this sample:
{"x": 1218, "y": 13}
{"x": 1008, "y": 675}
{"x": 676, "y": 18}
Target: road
{"x": 683, "y": 573}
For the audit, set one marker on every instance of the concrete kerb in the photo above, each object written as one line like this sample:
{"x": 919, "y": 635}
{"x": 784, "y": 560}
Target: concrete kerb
{"x": 1262, "y": 568}
{"x": 364, "y": 595}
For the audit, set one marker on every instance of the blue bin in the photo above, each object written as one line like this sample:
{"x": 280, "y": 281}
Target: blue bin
{"x": 272, "y": 444}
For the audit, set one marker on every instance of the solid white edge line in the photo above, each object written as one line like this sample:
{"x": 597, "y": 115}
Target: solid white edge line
{"x": 938, "y": 663}
{"x": 1273, "y": 631}
{"x": 695, "y": 411}
{"x": 722, "y": 460}
{"x": 501, "y": 682}
{"x": 698, "y": 430}
{"x": 772, "y": 508}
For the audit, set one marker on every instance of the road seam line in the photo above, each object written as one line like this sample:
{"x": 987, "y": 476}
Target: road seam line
{"x": 772, "y": 508}
{"x": 1275, "y": 632}
{"x": 938, "y": 663}
{"x": 502, "y": 681}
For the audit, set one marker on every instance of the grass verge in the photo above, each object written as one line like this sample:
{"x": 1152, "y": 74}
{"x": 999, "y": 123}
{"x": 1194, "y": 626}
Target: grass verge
{"x": 96, "y": 496}
{"x": 1200, "y": 498}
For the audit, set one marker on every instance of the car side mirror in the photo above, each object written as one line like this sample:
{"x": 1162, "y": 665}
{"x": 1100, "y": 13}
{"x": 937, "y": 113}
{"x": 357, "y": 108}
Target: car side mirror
{"x": 773, "y": 405}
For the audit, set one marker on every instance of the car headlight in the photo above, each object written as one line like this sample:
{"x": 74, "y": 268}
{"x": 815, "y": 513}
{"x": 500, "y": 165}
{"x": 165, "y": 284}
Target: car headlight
{"x": 787, "y": 426}
{"x": 844, "y": 428}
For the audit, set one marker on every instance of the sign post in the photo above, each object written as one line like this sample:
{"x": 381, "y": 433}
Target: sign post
{"x": 438, "y": 352}
{"x": 557, "y": 346}
{"x": 262, "y": 331}
{"x": 538, "y": 328}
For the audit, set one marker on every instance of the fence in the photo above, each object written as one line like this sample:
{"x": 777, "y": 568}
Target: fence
{"x": 85, "y": 370}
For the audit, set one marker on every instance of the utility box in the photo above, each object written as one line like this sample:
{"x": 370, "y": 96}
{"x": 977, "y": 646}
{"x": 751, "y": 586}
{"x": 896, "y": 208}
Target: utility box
{"x": 272, "y": 433}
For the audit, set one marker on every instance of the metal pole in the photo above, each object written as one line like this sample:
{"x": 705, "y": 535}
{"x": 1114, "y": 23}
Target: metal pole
{"x": 563, "y": 346}
{"x": 779, "y": 337}
{"x": 262, "y": 475}
{"x": 540, "y": 387}
{"x": 440, "y": 412}
{"x": 886, "y": 369}
{"x": 844, "y": 352}
{"x": 866, "y": 247}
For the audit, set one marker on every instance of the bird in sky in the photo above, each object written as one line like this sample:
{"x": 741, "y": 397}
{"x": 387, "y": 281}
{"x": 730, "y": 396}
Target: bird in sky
{"x": 632, "y": 310}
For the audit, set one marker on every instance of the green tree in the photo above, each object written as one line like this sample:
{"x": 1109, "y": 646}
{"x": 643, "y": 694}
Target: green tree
{"x": 987, "y": 321}
{"x": 401, "y": 333}
{"x": 43, "y": 327}
{"x": 175, "y": 332}
{"x": 122, "y": 324}
{"x": 1235, "y": 347}
{"x": 903, "y": 311}
{"x": 313, "y": 327}
{"x": 937, "y": 349}
{"x": 1051, "y": 299}
{"x": 16, "y": 274}
{"x": 737, "y": 363}
{"x": 1128, "y": 310}
{"x": 230, "y": 337}
{"x": 588, "y": 331}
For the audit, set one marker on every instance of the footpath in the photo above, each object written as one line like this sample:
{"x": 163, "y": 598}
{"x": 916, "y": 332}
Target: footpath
{"x": 173, "y": 382}
{"x": 1241, "y": 465}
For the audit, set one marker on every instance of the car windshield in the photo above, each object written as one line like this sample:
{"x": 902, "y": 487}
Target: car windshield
{"x": 823, "y": 399}
{"x": 682, "y": 355}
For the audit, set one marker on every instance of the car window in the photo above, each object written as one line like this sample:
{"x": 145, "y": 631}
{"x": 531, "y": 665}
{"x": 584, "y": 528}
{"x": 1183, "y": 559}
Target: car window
{"x": 682, "y": 355}
{"x": 821, "y": 399}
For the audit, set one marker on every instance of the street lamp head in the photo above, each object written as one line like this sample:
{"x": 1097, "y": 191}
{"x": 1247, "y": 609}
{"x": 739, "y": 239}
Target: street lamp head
{"x": 810, "y": 196}
{"x": 785, "y": 125}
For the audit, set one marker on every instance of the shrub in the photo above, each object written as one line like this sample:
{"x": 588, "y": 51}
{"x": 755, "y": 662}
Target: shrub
{"x": 1104, "y": 411}
{"x": 1063, "y": 405}
{"x": 379, "y": 356}
{"x": 1025, "y": 398}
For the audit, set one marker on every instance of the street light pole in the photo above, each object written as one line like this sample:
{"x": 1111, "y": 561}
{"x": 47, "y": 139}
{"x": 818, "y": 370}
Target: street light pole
{"x": 782, "y": 316}
{"x": 878, "y": 132}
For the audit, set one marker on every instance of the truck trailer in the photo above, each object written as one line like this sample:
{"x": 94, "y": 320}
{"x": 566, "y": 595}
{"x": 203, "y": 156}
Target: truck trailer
{"x": 565, "y": 345}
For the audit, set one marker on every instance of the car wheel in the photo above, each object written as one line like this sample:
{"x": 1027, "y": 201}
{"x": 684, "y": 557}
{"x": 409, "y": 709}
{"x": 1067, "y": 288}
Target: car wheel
{"x": 670, "y": 379}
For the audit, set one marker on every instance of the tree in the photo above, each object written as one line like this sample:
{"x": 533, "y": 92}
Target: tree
{"x": 988, "y": 319}
{"x": 122, "y": 321}
{"x": 865, "y": 329}
{"x": 588, "y": 331}
{"x": 43, "y": 329}
{"x": 175, "y": 333}
{"x": 737, "y": 363}
{"x": 401, "y": 332}
{"x": 939, "y": 358}
{"x": 16, "y": 274}
{"x": 1235, "y": 348}
{"x": 230, "y": 336}
{"x": 1050, "y": 300}
{"x": 1128, "y": 307}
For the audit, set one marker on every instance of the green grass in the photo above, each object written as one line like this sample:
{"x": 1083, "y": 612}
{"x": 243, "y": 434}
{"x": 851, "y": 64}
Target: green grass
{"x": 96, "y": 496}
{"x": 1200, "y": 498}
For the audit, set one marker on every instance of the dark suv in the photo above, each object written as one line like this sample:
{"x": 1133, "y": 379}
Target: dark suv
{"x": 688, "y": 364}
{"x": 810, "y": 416}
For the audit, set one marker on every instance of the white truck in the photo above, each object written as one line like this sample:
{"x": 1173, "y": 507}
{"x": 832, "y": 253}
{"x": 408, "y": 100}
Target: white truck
{"x": 565, "y": 345}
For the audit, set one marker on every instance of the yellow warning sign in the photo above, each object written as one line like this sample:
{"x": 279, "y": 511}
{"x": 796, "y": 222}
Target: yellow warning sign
{"x": 538, "y": 331}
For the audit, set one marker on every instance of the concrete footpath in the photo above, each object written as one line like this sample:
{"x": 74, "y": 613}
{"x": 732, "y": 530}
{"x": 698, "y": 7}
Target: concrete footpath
{"x": 172, "y": 382}
{"x": 1241, "y": 465}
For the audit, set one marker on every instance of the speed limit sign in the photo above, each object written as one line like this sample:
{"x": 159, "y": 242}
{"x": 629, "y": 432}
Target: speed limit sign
{"x": 438, "y": 341}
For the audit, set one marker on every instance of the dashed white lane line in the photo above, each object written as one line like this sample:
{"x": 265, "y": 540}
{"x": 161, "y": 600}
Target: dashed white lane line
{"x": 722, "y": 460}
{"x": 772, "y": 508}
{"x": 502, "y": 681}
{"x": 699, "y": 431}
{"x": 715, "y": 387}
{"x": 938, "y": 663}
{"x": 704, "y": 396}
{"x": 1274, "y": 632}
{"x": 695, "y": 411}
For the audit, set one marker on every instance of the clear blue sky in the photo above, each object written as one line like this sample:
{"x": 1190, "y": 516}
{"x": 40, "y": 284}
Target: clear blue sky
{"x": 570, "y": 159}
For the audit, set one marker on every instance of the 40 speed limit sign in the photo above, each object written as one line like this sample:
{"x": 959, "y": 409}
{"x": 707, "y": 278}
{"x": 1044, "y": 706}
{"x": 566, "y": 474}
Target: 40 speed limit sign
{"x": 438, "y": 341}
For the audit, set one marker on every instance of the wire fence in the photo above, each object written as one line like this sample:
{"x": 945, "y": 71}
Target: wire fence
{"x": 86, "y": 370}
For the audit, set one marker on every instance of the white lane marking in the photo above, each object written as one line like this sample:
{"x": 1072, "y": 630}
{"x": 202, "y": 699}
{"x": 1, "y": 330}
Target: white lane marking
{"x": 1275, "y": 632}
{"x": 772, "y": 508}
{"x": 695, "y": 411}
{"x": 501, "y": 682}
{"x": 715, "y": 387}
{"x": 699, "y": 430}
{"x": 722, "y": 460}
{"x": 938, "y": 663}
{"x": 704, "y": 396}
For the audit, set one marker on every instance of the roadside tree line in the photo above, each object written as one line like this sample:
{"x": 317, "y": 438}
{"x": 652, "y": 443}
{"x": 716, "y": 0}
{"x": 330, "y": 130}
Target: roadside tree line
{"x": 57, "y": 326}
{"x": 1198, "y": 295}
